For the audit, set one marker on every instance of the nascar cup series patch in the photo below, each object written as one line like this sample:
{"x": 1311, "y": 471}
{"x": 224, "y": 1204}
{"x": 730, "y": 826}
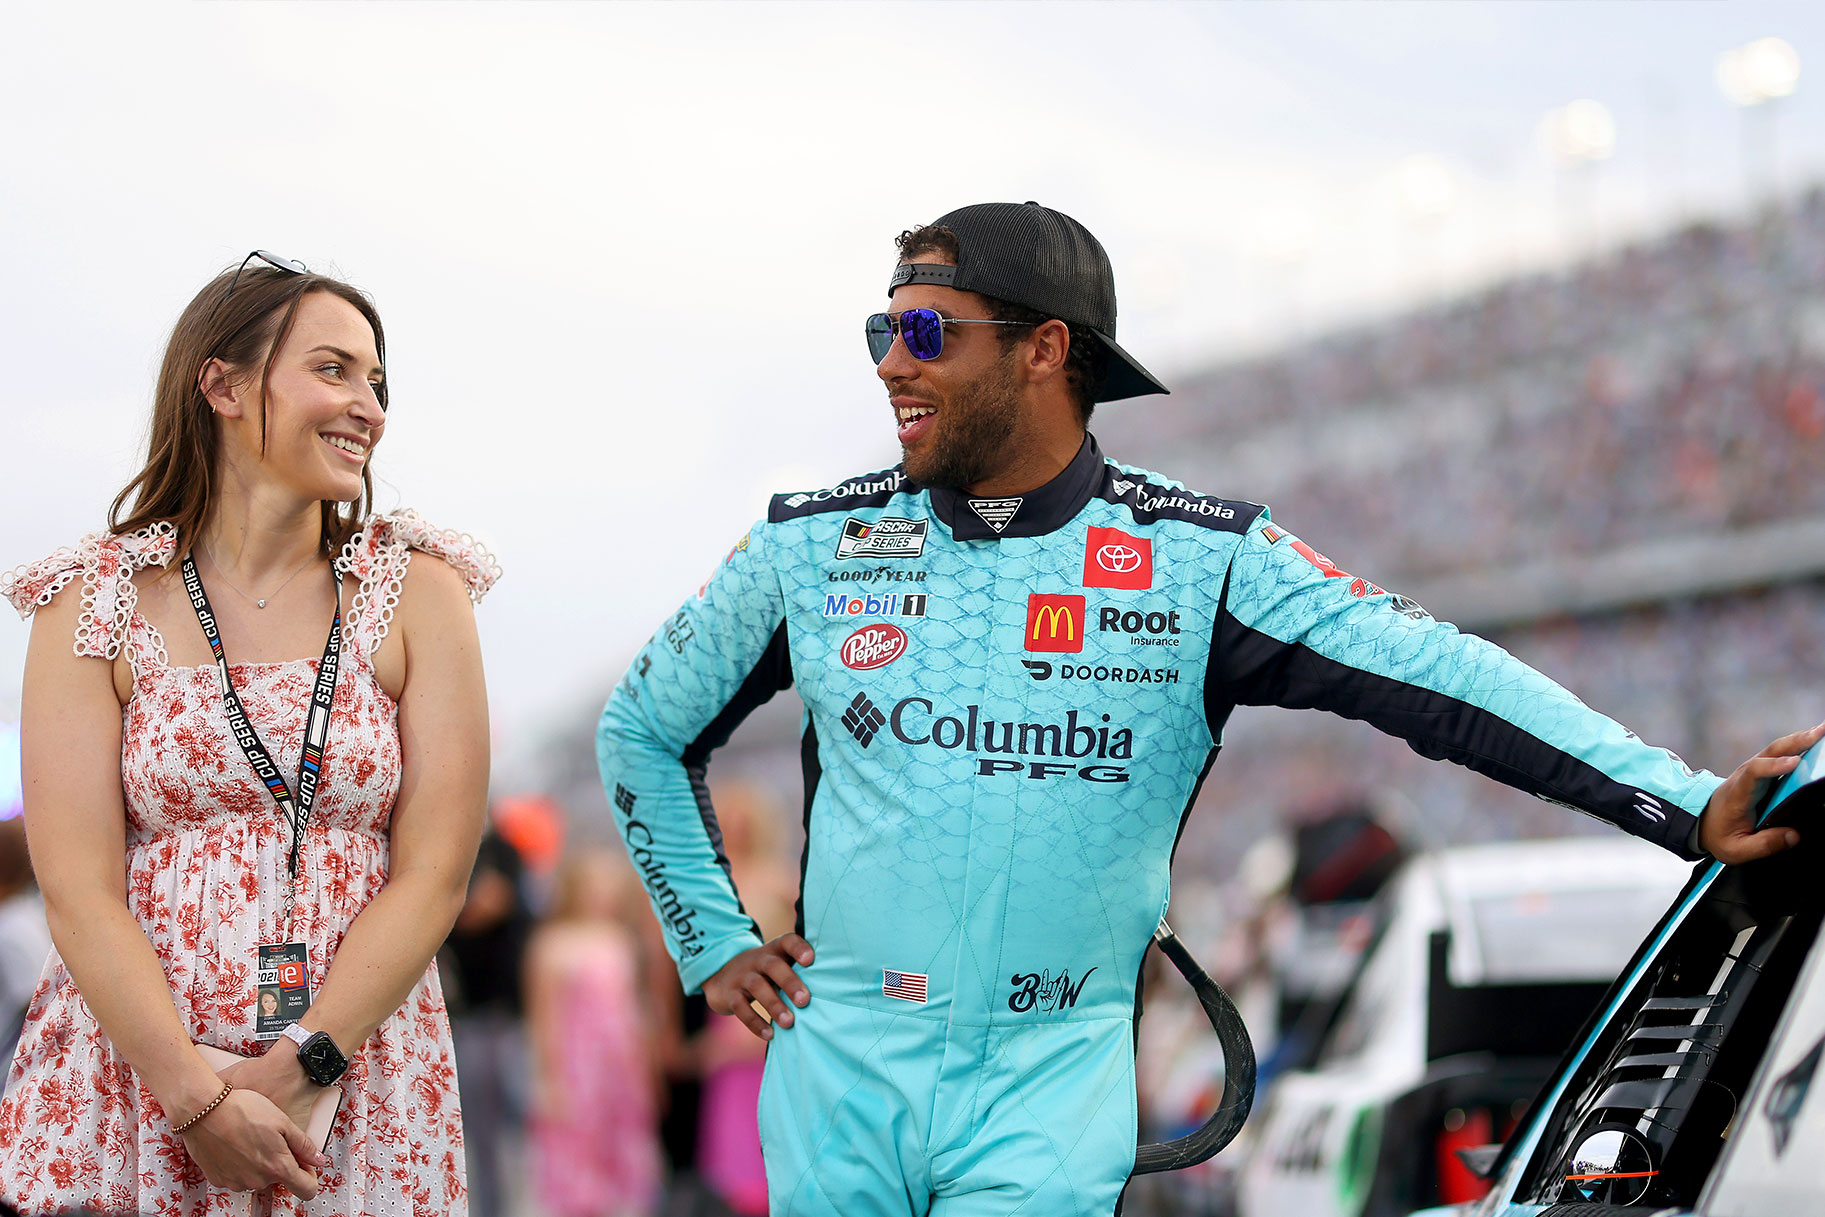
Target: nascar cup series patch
{"x": 887, "y": 537}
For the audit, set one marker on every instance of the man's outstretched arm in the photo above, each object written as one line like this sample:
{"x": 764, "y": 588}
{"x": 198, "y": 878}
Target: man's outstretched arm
{"x": 713, "y": 661}
{"x": 1296, "y": 631}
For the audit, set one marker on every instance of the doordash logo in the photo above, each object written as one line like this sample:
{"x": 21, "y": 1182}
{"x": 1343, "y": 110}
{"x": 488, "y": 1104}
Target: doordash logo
{"x": 1055, "y": 623}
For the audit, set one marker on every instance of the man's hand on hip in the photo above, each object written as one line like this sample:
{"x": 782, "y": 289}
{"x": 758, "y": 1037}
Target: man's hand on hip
{"x": 749, "y": 986}
{"x": 1727, "y": 829}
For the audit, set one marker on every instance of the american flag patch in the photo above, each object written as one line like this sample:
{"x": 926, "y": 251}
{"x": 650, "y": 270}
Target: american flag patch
{"x": 907, "y": 986}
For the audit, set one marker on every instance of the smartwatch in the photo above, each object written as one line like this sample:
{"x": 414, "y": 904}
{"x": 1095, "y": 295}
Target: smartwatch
{"x": 323, "y": 1062}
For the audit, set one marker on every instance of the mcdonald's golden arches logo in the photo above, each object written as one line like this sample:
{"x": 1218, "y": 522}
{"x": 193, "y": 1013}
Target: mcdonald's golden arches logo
{"x": 1055, "y": 623}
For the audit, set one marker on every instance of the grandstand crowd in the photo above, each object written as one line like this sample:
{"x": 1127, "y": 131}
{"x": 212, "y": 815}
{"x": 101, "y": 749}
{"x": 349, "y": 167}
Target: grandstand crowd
{"x": 1672, "y": 389}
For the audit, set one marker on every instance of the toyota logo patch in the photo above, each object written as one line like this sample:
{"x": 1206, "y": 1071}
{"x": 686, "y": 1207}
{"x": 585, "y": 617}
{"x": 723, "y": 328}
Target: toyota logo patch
{"x": 1118, "y": 559}
{"x": 1112, "y": 558}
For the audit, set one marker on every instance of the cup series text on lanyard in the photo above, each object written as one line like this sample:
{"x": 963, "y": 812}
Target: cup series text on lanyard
{"x": 296, "y": 810}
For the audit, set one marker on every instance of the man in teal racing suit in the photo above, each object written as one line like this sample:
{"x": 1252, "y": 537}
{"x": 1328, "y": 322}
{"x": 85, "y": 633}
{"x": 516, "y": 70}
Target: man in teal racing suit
{"x": 1016, "y": 658}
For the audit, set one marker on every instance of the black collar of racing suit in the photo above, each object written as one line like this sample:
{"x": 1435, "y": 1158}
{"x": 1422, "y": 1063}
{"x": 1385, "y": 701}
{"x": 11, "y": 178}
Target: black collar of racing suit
{"x": 1039, "y": 511}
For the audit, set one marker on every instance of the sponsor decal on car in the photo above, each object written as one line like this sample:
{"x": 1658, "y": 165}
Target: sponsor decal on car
{"x": 1788, "y": 1094}
{"x": 873, "y": 646}
{"x": 875, "y": 574}
{"x": 1055, "y": 623}
{"x": 1112, "y": 558}
{"x": 887, "y": 537}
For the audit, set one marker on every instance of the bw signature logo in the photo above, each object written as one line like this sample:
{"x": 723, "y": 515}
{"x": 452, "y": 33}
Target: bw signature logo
{"x": 1045, "y": 992}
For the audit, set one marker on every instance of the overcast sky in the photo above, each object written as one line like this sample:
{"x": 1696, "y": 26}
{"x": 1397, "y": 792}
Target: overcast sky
{"x": 623, "y": 250}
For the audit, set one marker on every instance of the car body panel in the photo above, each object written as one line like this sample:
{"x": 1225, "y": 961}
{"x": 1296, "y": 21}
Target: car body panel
{"x": 1770, "y": 1164}
{"x": 1537, "y": 916}
{"x": 1773, "y": 1162}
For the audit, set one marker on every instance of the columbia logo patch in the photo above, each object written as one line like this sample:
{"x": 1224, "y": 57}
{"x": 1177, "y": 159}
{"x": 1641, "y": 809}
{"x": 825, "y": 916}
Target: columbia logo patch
{"x": 995, "y": 512}
{"x": 864, "y": 720}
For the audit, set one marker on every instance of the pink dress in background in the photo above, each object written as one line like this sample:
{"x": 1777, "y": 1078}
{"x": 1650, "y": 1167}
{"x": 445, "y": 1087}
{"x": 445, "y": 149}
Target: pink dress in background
{"x": 596, "y": 1146}
{"x": 728, "y": 1122}
{"x": 206, "y": 855}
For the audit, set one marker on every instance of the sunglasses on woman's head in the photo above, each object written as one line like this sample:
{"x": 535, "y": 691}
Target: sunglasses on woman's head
{"x": 289, "y": 265}
{"x": 921, "y": 329}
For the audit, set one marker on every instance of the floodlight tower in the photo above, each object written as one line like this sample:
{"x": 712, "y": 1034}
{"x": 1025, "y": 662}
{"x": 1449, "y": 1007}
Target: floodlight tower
{"x": 1426, "y": 189}
{"x": 1578, "y": 137}
{"x": 1754, "y": 77}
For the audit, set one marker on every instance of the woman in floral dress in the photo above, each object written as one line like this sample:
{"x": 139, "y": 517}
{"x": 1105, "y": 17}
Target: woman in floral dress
{"x": 173, "y": 875}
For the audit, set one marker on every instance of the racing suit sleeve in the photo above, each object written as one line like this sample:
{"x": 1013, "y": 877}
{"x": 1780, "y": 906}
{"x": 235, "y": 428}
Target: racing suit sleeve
{"x": 1295, "y": 631}
{"x": 706, "y": 669}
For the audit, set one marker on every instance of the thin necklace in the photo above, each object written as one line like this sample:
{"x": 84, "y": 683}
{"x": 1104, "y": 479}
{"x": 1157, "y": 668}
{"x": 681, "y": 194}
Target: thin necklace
{"x": 269, "y": 595}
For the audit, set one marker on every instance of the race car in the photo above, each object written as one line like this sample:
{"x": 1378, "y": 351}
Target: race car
{"x": 1485, "y": 961}
{"x": 1691, "y": 1092}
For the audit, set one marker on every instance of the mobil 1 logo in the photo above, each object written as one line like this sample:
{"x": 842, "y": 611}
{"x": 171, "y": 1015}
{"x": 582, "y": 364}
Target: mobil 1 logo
{"x": 876, "y": 604}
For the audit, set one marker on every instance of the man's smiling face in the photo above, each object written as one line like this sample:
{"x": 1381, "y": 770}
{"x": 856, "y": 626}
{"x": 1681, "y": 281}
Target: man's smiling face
{"x": 958, "y": 415}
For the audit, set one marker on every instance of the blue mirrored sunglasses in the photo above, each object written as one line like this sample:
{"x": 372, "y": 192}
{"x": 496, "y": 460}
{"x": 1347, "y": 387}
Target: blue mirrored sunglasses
{"x": 921, "y": 329}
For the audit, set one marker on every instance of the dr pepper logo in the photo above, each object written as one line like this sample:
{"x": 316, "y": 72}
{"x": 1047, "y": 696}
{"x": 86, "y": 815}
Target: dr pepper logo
{"x": 1112, "y": 558}
{"x": 1055, "y": 623}
{"x": 873, "y": 646}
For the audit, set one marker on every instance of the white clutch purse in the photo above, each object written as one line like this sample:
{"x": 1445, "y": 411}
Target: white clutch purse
{"x": 323, "y": 1107}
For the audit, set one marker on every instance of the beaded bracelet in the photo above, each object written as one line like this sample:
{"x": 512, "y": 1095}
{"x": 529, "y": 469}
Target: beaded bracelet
{"x": 213, "y": 1104}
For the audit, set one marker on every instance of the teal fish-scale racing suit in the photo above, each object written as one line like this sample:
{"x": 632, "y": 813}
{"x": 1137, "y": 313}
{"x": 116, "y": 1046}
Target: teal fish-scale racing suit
{"x": 1010, "y": 705}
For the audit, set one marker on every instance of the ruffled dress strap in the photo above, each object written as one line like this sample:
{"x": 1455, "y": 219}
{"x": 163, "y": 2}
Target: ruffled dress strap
{"x": 107, "y": 563}
{"x": 378, "y": 556}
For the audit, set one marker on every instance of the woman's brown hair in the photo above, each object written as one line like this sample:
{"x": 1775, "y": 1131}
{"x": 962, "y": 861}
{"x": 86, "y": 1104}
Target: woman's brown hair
{"x": 244, "y": 330}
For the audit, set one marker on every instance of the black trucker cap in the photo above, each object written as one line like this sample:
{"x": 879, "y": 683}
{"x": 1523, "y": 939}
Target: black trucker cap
{"x": 1044, "y": 260}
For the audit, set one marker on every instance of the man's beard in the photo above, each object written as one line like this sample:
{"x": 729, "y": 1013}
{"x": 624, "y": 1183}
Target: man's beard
{"x": 975, "y": 431}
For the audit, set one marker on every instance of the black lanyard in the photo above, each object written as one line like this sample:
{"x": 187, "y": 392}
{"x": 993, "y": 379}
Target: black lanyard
{"x": 316, "y": 726}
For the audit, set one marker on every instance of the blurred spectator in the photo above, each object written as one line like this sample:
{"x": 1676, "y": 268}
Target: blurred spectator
{"x": 25, "y": 940}
{"x": 481, "y": 968}
{"x": 595, "y": 1053}
{"x": 728, "y": 1056}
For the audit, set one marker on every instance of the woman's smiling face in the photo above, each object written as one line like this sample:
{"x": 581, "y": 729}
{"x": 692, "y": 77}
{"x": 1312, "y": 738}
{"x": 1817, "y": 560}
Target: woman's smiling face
{"x": 323, "y": 411}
